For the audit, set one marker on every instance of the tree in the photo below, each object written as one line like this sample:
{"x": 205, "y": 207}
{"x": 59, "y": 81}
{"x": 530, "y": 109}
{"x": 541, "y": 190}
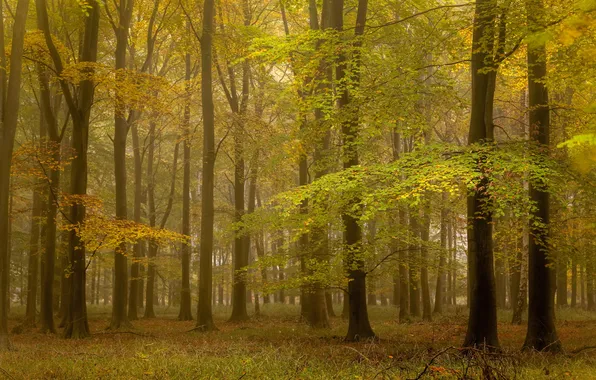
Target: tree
{"x": 358, "y": 323}
{"x": 204, "y": 313}
{"x": 185, "y": 313}
{"x": 482, "y": 322}
{"x": 541, "y": 334}
{"x": 120, "y": 301}
{"x": 80, "y": 110}
{"x": 9, "y": 108}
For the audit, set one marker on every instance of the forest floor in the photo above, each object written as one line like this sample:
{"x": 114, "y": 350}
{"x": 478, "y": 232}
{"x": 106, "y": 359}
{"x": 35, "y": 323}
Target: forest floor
{"x": 277, "y": 345}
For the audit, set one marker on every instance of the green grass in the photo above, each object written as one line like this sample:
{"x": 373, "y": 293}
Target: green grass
{"x": 278, "y": 346}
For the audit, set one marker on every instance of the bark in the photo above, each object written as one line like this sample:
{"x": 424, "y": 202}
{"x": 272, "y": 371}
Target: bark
{"x": 404, "y": 306}
{"x": 440, "y": 289}
{"x": 10, "y": 102}
{"x": 204, "y": 313}
{"x": 482, "y": 321}
{"x": 404, "y": 279}
{"x": 590, "y": 285}
{"x": 358, "y": 323}
{"x": 120, "y": 288}
{"x": 185, "y": 313}
{"x": 573, "y": 283}
{"x": 33, "y": 262}
{"x": 135, "y": 294}
{"x": 47, "y": 305}
{"x": 414, "y": 265}
{"x": 562, "y": 281}
{"x": 424, "y": 237}
{"x": 541, "y": 334}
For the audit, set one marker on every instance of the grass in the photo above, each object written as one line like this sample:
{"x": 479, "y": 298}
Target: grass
{"x": 278, "y": 346}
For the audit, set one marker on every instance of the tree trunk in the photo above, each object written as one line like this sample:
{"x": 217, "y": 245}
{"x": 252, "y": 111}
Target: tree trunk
{"x": 562, "y": 281}
{"x": 204, "y": 313}
{"x": 10, "y": 102}
{"x": 135, "y": 294}
{"x": 541, "y": 334}
{"x": 33, "y": 266}
{"x": 120, "y": 289}
{"x": 185, "y": 313}
{"x": 424, "y": 237}
{"x": 414, "y": 265}
{"x": 358, "y": 324}
{"x": 482, "y": 321}
{"x": 440, "y": 289}
{"x": 404, "y": 281}
{"x": 573, "y": 283}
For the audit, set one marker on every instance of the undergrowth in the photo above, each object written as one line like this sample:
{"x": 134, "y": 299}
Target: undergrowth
{"x": 278, "y": 345}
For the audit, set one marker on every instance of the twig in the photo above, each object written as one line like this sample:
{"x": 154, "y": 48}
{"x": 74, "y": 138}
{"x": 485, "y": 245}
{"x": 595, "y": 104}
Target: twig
{"x": 584, "y": 348}
{"x": 144, "y": 335}
{"x": 5, "y": 373}
{"x": 432, "y": 360}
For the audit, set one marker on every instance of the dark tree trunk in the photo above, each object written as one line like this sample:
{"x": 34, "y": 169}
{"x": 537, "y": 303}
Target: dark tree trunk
{"x": 590, "y": 290}
{"x": 404, "y": 281}
{"x": 47, "y": 306}
{"x": 482, "y": 321}
{"x": 562, "y": 281}
{"x": 9, "y": 109}
{"x": 120, "y": 289}
{"x": 440, "y": 289}
{"x": 358, "y": 325}
{"x": 573, "y": 283}
{"x": 424, "y": 237}
{"x": 541, "y": 334}
{"x": 414, "y": 265}
{"x": 204, "y": 313}
{"x": 33, "y": 266}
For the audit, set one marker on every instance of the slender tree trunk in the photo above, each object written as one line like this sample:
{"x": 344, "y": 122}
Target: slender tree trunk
{"x": 185, "y": 313}
{"x": 562, "y": 281}
{"x": 205, "y": 315}
{"x": 573, "y": 283}
{"x": 32, "y": 270}
{"x": 414, "y": 265}
{"x": 425, "y": 237}
{"x": 120, "y": 289}
{"x": 136, "y": 295}
{"x": 590, "y": 283}
{"x": 440, "y": 289}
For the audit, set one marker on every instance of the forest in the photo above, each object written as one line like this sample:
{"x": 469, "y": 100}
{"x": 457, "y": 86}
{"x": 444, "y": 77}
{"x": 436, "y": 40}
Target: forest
{"x": 284, "y": 189}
